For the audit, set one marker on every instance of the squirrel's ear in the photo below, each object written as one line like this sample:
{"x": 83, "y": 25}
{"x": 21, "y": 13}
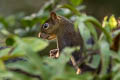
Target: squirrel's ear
{"x": 53, "y": 15}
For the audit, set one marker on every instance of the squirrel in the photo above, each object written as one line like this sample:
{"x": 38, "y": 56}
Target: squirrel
{"x": 62, "y": 29}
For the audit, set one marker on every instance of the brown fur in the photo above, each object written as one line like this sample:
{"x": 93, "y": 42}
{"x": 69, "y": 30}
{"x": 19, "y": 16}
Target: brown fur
{"x": 63, "y": 31}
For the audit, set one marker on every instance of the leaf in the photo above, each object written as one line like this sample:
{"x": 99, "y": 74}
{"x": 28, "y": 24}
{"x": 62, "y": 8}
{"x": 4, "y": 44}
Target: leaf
{"x": 91, "y": 28}
{"x": 5, "y": 55}
{"x": 62, "y": 60}
{"x": 73, "y": 76}
{"x": 5, "y": 74}
{"x": 84, "y": 31}
{"x": 95, "y": 61}
{"x": 5, "y": 32}
{"x": 76, "y": 2}
{"x": 35, "y": 43}
{"x": 10, "y": 20}
{"x": 4, "y": 52}
{"x": 3, "y": 21}
{"x": 19, "y": 76}
{"x": 105, "y": 56}
{"x": 2, "y": 65}
{"x": 23, "y": 65}
{"x": 116, "y": 68}
{"x": 117, "y": 76}
{"x": 58, "y": 66}
{"x": 29, "y": 21}
{"x": 18, "y": 52}
{"x": 74, "y": 10}
{"x": 97, "y": 23}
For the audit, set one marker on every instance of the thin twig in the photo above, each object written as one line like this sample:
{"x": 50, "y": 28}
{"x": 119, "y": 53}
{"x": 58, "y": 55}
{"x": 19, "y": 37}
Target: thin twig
{"x": 11, "y": 50}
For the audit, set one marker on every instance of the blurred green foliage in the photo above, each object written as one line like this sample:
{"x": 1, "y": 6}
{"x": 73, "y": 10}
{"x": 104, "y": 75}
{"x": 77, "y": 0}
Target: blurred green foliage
{"x": 19, "y": 32}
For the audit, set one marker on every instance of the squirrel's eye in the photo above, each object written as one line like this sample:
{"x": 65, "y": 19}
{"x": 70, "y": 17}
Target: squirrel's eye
{"x": 45, "y": 26}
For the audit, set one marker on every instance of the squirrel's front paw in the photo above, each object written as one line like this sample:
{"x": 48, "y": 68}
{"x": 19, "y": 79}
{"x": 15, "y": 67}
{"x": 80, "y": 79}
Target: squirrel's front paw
{"x": 54, "y": 53}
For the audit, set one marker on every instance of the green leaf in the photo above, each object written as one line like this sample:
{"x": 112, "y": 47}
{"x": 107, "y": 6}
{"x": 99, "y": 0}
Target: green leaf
{"x": 91, "y": 28}
{"x": 117, "y": 76}
{"x": 62, "y": 60}
{"x": 35, "y": 43}
{"x": 84, "y": 31}
{"x": 74, "y": 10}
{"x": 76, "y": 2}
{"x": 95, "y": 61}
{"x": 30, "y": 21}
{"x": 11, "y": 20}
{"x": 3, "y": 21}
{"x": 105, "y": 56}
{"x": 72, "y": 76}
{"x": 5, "y": 32}
{"x": 2, "y": 65}
{"x": 25, "y": 66}
{"x": 18, "y": 52}
{"x": 97, "y": 23}
{"x": 4, "y": 54}
{"x": 5, "y": 74}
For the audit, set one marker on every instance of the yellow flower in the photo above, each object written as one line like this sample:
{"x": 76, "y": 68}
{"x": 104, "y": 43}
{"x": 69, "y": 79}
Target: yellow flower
{"x": 112, "y": 22}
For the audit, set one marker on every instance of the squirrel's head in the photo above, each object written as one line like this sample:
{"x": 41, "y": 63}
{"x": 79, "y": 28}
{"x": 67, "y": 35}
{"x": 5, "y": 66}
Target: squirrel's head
{"x": 50, "y": 27}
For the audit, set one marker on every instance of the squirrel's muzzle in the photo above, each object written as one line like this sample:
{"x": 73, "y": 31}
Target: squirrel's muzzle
{"x": 46, "y": 36}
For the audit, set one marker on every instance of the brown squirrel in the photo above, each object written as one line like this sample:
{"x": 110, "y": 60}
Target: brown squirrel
{"x": 61, "y": 29}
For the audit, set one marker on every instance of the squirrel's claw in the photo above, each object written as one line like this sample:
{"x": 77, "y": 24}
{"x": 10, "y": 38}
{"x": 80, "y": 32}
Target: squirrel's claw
{"x": 54, "y": 53}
